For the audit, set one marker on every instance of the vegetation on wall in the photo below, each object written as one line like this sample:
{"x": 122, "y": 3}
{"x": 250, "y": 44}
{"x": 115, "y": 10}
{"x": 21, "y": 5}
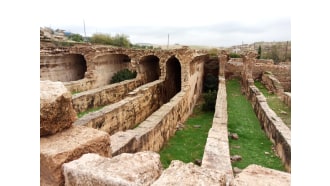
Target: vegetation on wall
{"x": 234, "y": 55}
{"x": 209, "y": 100}
{"x": 210, "y": 90}
{"x": 122, "y": 75}
{"x": 120, "y": 40}
{"x": 213, "y": 52}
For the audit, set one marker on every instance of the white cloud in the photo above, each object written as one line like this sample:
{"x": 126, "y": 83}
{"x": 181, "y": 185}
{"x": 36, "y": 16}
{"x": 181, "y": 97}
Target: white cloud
{"x": 207, "y": 22}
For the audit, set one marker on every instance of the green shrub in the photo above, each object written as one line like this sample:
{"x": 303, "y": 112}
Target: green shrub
{"x": 213, "y": 52}
{"x": 122, "y": 75}
{"x": 119, "y": 40}
{"x": 76, "y": 37}
{"x": 210, "y": 83}
{"x": 234, "y": 55}
{"x": 209, "y": 100}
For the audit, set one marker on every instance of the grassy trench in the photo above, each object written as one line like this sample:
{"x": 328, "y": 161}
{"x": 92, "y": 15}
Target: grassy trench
{"x": 252, "y": 145}
{"x": 279, "y": 107}
{"x": 188, "y": 144}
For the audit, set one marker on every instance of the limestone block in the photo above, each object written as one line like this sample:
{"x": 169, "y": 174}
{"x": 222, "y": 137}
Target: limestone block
{"x": 179, "y": 173}
{"x": 66, "y": 146}
{"x": 123, "y": 142}
{"x": 217, "y": 157}
{"x": 141, "y": 168}
{"x": 56, "y": 110}
{"x": 256, "y": 175}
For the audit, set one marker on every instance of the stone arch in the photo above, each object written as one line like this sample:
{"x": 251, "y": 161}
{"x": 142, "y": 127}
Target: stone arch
{"x": 107, "y": 65}
{"x": 173, "y": 77}
{"x": 65, "y": 68}
{"x": 149, "y": 69}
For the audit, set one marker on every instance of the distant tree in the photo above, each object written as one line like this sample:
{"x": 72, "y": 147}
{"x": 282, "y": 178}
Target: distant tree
{"x": 76, "y": 37}
{"x": 121, "y": 40}
{"x": 274, "y": 54}
{"x": 259, "y": 52}
{"x": 99, "y": 38}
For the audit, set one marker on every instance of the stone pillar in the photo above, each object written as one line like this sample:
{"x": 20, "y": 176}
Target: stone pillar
{"x": 223, "y": 60}
{"x": 249, "y": 58}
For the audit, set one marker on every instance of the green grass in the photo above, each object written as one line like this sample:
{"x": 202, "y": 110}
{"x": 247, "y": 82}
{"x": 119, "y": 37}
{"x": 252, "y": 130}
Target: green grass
{"x": 81, "y": 114}
{"x": 252, "y": 142}
{"x": 188, "y": 144}
{"x": 75, "y": 92}
{"x": 276, "y": 104}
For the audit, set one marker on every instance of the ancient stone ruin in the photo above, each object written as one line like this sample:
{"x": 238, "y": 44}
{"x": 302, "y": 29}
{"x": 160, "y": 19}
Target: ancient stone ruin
{"x": 118, "y": 143}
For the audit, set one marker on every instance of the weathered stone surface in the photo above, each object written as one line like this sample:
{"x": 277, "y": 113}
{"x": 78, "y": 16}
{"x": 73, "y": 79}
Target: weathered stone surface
{"x": 235, "y": 158}
{"x": 234, "y": 136}
{"x": 126, "y": 113}
{"x": 141, "y": 168}
{"x": 56, "y": 111}
{"x": 66, "y": 146}
{"x": 272, "y": 83}
{"x": 281, "y": 72}
{"x": 255, "y": 175}
{"x": 179, "y": 173}
{"x": 237, "y": 170}
{"x": 223, "y": 56}
{"x": 104, "y": 95}
{"x": 274, "y": 128}
{"x": 123, "y": 142}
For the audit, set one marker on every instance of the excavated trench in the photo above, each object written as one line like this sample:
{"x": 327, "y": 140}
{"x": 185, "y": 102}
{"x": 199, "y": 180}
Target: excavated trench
{"x": 134, "y": 106}
{"x": 140, "y": 103}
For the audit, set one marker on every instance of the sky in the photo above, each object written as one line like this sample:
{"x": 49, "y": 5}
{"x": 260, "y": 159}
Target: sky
{"x": 205, "y": 22}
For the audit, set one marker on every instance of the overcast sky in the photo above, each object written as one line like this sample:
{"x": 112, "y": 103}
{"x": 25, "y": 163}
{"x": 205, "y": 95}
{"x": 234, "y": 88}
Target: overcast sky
{"x": 203, "y": 22}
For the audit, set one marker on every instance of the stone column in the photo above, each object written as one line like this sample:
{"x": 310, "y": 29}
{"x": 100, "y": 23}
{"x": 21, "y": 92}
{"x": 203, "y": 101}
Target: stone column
{"x": 223, "y": 60}
{"x": 249, "y": 58}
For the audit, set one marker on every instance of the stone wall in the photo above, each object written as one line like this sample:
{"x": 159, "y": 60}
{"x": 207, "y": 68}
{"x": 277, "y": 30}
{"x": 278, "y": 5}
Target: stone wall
{"x": 281, "y": 72}
{"x": 286, "y": 98}
{"x": 216, "y": 153}
{"x": 195, "y": 81}
{"x": 103, "y": 61}
{"x": 104, "y": 95}
{"x": 275, "y": 129}
{"x": 156, "y": 130}
{"x": 128, "y": 112}
{"x": 79, "y": 85}
{"x": 271, "y": 83}
{"x": 234, "y": 68}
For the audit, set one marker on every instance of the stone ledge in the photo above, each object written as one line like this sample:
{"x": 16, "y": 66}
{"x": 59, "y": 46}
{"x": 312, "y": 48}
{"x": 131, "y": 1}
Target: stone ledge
{"x": 179, "y": 173}
{"x": 260, "y": 176}
{"x": 141, "y": 168}
{"x": 66, "y": 146}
